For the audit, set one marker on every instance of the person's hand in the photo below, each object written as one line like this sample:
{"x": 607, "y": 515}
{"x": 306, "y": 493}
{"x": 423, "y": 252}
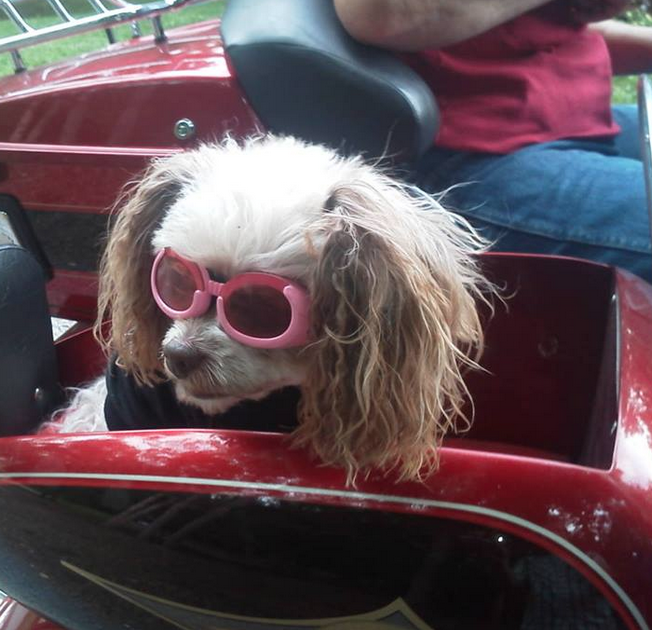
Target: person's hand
{"x": 585, "y": 11}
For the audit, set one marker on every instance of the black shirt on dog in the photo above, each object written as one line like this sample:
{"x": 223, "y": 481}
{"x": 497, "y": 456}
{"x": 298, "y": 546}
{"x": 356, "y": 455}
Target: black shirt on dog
{"x": 129, "y": 405}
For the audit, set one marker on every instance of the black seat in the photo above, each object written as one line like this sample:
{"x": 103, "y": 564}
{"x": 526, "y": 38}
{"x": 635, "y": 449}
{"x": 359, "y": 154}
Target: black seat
{"x": 28, "y": 366}
{"x": 305, "y": 76}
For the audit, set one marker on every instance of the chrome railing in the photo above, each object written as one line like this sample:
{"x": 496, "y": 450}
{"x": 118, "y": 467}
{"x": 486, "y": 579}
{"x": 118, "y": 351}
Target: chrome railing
{"x": 106, "y": 14}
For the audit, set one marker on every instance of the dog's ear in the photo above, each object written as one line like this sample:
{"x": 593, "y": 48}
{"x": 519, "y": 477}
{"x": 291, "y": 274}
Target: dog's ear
{"x": 396, "y": 320}
{"x": 124, "y": 296}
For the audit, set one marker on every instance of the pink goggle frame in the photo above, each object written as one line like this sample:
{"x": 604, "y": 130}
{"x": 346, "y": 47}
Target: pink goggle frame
{"x": 257, "y": 309}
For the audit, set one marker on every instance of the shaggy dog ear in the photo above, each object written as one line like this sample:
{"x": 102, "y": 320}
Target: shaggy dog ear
{"x": 137, "y": 325}
{"x": 395, "y": 315}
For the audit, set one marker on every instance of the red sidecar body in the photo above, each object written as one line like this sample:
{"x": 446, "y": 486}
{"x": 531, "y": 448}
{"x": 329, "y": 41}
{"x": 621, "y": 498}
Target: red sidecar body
{"x": 539, "y": 517}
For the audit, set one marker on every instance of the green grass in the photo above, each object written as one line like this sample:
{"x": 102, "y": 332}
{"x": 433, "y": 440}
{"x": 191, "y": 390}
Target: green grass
{"x": 95, "y": 40}
{"x": 624, "y": 88}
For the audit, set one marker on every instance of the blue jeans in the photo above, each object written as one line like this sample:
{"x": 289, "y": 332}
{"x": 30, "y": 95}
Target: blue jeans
{"x": 583, "y": 198}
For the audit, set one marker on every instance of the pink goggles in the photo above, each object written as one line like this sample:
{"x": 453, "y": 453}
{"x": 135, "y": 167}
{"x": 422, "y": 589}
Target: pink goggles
{"x": 257, "y": 309}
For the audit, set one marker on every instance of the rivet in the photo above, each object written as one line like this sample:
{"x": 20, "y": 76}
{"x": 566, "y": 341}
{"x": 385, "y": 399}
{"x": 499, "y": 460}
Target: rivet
{"x": 184, "y": 129}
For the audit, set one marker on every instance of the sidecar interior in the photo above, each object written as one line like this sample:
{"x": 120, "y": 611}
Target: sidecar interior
{"x": 565, "y": 408}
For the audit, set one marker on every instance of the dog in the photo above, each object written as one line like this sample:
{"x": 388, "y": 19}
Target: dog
{"x": 374, "y": 314}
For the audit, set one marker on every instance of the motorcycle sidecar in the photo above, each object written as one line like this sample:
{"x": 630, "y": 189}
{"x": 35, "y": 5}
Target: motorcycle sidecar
{"x": 540, "y": 516}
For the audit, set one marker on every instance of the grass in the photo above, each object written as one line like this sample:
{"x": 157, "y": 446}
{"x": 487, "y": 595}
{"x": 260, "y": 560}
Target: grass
{"x": 72, "y": 46}
{"x": 624, "y": 88}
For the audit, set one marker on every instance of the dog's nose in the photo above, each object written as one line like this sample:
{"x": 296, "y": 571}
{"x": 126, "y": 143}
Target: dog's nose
{"x": 181, "y": 358}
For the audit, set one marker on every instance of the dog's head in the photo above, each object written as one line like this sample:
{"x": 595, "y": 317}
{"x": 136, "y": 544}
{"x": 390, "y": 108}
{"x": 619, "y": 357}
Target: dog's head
{"x": 391, "y": 278}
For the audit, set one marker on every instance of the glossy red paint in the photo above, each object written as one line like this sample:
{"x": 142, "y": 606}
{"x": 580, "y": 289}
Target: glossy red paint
{"x": 128, "y": 95}
{"x": 79, "y": 360}
{"x": 70, "y": 178}
{"x": 73, "y": 295}
{"x": 597, "y": 514}
{"x": 73, "y": 134}
{"x": 13, "y": 616}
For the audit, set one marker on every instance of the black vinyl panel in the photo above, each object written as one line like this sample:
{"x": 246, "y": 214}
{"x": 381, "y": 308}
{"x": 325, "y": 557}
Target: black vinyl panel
{"x": 106, "y": 558}
{"x": 72, "y": 241}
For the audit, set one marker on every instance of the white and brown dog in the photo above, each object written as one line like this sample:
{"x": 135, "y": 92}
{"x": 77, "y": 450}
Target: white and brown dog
{"x": 358, "y": 289}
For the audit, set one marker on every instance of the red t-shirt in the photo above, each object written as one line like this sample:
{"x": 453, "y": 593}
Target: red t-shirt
{"x": 534, "y": 79}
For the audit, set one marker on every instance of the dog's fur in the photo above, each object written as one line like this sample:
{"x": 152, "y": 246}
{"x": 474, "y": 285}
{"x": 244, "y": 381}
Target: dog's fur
{"x": 392, "y": 276}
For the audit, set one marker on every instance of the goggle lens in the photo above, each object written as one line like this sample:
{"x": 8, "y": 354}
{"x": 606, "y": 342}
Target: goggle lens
{"x": 175, "y": 283}
{"x": 258, "y": 311}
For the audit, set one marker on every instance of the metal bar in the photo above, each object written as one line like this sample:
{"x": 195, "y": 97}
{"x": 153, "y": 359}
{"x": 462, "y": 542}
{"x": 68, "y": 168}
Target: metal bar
{"x": 159, "y": 33}
{"x": 19, "y": 65}
{"x": 60, "y": 10}
{"x": 11, "y": 152}
{"x": 15, "y": 17}
{"x": 119, "y": 3}
{"x": 98, "y": 6}
{"x": 644, "y": 94}
{"x": 136, "y": 31}
{"x": 128, "y": 13}
{"x": 99, "y": 9}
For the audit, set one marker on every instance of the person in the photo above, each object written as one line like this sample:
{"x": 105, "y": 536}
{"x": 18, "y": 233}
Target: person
{"x": 529, "y": 148}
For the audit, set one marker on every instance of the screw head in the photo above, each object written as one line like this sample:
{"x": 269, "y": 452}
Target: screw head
{"x": 41, "y": 399}
{"x": 184, "y": 129}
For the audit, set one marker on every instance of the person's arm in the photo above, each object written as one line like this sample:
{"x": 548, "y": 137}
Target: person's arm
{"x": 412, "y": 25}
{"x": 630, "y": 46}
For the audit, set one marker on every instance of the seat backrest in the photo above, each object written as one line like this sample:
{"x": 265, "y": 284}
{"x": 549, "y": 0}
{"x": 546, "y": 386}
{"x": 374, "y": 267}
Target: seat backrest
{"x": 304, "y": 75}
{"x": 28, "y": 367}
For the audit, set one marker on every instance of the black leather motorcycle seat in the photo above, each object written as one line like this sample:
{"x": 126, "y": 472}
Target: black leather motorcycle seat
{"x": 305, "y": 76}
{"x": 28, "y": 366}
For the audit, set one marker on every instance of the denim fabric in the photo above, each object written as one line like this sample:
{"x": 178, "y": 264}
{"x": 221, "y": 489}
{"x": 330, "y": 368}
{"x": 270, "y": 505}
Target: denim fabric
{"x": 583, "y": 198}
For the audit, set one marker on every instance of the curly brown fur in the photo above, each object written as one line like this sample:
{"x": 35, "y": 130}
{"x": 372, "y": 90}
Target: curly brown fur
{"x": 393, "y": 278}
{"x": 395, "y": 300}
{"x": 124, "y": 298}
